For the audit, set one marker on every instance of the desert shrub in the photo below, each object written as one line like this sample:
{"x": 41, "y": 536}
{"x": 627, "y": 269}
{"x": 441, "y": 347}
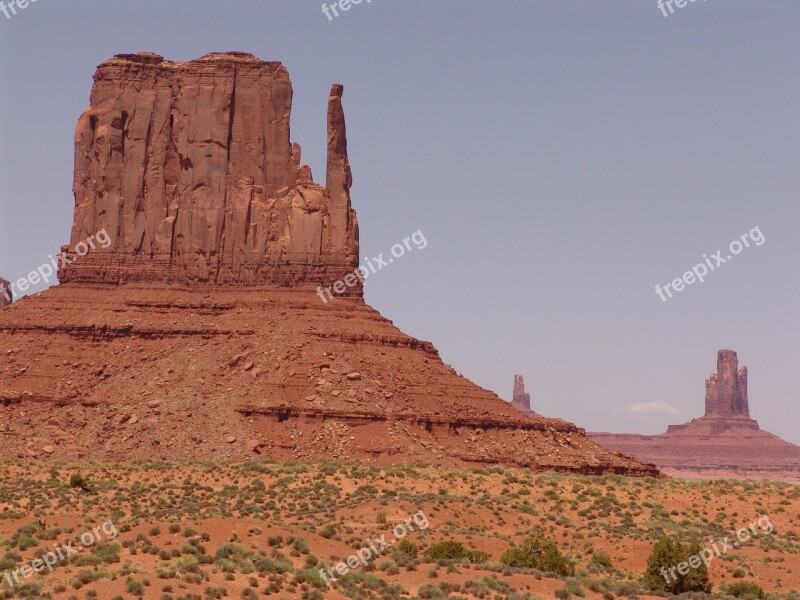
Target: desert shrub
{"x": 476, "y": 557}
{"x": 27, "y": 541}
{"x": 310, "y": 576}
{"x": 662, "y": 573}
{"x": 537, "y": 552}
{"x": 300, "y": 545}
{"x": 78, "y": 481}
{"x": 446, "y": 550}
{"x": 408, "y": 547}
{"x": 430, "y": 592}
{"x": 107, "y": 552}
{"x": 135, "y": 588}
{"x": 87, "y": 577}
{"x": 601, "y": 559}
{"x": 745, "y": 589}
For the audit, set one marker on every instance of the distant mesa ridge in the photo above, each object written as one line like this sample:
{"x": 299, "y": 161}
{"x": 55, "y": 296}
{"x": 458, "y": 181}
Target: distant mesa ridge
{"x": 726, "y": 441}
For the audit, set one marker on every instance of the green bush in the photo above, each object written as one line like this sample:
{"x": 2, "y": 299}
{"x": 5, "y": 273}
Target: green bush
{"x": 78, "y": 481}
{"x": 662, "y": 573}
{"x": 447, "y": 550}
{"x": 135, "y": 588}
{"x": 540, "y": 553}
{"x": 745, "y": 589}
{"x": 476, "y": 556}
{"x": 310, "y": 576}
{"x": 602, "y": 559}
{"x": 27, "y": 541}
{"x": 408, "y": 547}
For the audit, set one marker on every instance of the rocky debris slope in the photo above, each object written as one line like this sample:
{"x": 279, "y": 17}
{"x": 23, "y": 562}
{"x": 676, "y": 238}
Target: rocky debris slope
{"x": 166, "y": 372}
{"x": 199, "y": 333}
{"x": 725, "y": 442}
{"x": 189, "y": 168}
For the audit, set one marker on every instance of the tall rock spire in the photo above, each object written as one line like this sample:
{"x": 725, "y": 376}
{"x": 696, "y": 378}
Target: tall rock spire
{"x": 726, "y": 390}
{"x": 521, "y": 400}
{"x": 339, "y": 178}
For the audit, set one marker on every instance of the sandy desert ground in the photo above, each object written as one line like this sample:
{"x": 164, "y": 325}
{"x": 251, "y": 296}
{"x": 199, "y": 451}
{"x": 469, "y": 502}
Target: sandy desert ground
{"x": 264, "y": 529}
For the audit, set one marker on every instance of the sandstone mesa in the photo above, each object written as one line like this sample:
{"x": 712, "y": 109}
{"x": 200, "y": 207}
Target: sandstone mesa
{"x": 198, "y": 334}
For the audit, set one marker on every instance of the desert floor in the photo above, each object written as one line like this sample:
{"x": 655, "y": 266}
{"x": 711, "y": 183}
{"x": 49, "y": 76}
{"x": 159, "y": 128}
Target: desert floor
{"x": 264, "y": 529}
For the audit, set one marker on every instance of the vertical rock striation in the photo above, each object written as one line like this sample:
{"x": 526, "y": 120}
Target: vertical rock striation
{"x": 189, "y": 168}
{"x": 726, "y": 390}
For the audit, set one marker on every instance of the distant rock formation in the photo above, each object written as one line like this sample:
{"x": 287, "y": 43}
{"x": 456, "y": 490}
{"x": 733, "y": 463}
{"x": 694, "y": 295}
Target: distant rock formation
{"x": 189, "y": 168}
{"x": 5, "y": 293}
{"x": 726, "y": 390}
{"x": 725, "y": 442}
{"x": 727, "y": 405}
{"x": 521, "y": 400}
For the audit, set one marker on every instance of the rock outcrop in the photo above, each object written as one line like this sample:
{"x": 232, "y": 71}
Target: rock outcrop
{"x": 725, "y": 442}
{"x": 726, "y": 390}
{"x": 189, "y": 169}
{"x": 198, "y": 332}
{"x": 520, "y": 399}
{"x": 5, "y": 293}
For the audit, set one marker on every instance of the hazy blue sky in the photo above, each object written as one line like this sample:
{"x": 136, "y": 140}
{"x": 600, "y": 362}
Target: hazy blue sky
{"x": 561, "y": 157}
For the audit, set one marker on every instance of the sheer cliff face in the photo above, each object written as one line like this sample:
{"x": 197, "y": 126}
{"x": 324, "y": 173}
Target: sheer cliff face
{"x": 726, "y": 390}
{"x": 189, "y": 168}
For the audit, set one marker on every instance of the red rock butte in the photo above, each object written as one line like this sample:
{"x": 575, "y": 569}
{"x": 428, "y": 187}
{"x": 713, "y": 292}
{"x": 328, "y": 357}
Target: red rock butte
{"x": 198, "y": 332}
{"x": 190, "y": 168}
{"x": 724, "y": 442}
